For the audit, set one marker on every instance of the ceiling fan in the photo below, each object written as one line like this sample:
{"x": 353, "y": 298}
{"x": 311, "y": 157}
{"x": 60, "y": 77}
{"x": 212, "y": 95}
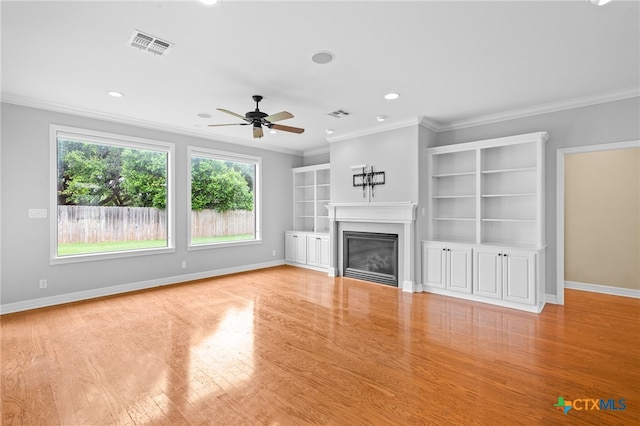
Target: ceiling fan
{"x": 258, "y": 119}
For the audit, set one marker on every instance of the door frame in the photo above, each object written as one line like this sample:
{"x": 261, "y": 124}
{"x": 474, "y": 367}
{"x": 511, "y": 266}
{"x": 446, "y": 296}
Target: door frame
{"x": 560, "y": 198}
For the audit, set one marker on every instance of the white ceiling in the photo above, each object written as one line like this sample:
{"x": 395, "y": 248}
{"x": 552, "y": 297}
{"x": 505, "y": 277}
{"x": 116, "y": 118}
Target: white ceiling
{"x": 451, "y": 61}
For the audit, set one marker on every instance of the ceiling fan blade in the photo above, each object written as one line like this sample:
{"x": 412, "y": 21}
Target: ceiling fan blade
{"x": 287, "y": 128}
{"x": 232, "y": 113}
{"x": 257, "y": 132}
{"x": 283, "y": 115}
{"x": 229, "y": 124}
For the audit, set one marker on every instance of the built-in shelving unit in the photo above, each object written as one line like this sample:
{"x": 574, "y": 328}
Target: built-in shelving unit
{"x": 488, "y": 197}
{"x": 307, "y": 245}
{"x": 311, "y": 194}
{"x": 487, "y": 192}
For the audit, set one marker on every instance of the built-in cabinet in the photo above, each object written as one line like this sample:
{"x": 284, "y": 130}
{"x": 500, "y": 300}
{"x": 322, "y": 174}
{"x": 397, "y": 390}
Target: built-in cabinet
{"x": 307, "y": 249}
{"x": 307, "y": 244}
{"x": 487, "y": 198}
{"x": 505, "y": 274}
{"x": 318, "y": 250}
{"x": 448, "y": 266}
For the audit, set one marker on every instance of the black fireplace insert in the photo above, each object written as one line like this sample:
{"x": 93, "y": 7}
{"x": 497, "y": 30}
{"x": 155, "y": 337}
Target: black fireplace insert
{"x": 371, "y": 256}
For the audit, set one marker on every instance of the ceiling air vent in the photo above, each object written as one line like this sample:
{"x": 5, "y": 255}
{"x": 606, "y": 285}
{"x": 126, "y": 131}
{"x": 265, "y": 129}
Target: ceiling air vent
{"x": 339, "y": 113}
{"x": 149, "y": 43}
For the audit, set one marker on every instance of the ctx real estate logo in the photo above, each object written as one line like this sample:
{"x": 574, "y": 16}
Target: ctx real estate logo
{"x": 590, "y": 404}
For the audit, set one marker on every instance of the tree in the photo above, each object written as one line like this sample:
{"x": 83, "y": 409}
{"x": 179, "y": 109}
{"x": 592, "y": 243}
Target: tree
{"x": 105, "y": 175}
{"x": 215, "y": 185}
{"x": 145, "y": 177}
{"x": 90, "y": 175}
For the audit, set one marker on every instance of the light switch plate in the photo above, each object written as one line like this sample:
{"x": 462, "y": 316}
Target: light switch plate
{"x": 37, "y": 213}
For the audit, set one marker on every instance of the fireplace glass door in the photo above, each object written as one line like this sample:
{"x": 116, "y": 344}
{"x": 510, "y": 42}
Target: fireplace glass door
{"x": 371, "y": 256}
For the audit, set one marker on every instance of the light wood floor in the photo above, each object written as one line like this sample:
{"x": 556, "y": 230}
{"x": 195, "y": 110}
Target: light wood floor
{"x": 288, "y": 346}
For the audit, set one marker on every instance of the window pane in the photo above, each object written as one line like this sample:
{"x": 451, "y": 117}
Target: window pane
{"x": 110, "y": 198}
{"x": 222, "y": 200}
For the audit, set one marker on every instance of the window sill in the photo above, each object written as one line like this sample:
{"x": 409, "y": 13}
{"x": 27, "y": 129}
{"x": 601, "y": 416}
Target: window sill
{"x": 92, "y": 257}
{"x": 223, "y": 245}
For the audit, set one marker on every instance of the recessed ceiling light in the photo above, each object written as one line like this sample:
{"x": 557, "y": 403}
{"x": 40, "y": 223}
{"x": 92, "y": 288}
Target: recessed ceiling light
{"x": 599, "y": 2}
{"x": 273, "y": 132}
{"x": 391, "y": 96}
{"x": 381, "y": 117}
{"x": 209, "y": 2}
{"x": 204, "y": 115}
{"x": 322, "y": 57}
{"x": 328, "y": 131}
{"x": 115, "y": 94}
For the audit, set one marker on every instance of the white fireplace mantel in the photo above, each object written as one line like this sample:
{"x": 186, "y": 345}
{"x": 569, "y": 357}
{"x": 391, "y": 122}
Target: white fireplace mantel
{"x": 403, "y": 213}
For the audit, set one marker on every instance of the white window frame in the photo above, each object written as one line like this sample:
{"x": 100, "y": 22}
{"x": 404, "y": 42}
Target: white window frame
{"x": 257, "y": 184}
{"x": 104, "y": 138}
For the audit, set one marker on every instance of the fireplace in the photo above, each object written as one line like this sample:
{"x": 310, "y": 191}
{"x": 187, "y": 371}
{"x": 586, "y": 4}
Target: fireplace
{"x": 385, "y": 217}
{"x": 371, "y": 256}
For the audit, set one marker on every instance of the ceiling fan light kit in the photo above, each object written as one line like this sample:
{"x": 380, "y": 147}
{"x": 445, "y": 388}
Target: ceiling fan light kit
{"x": 258, "y": 119}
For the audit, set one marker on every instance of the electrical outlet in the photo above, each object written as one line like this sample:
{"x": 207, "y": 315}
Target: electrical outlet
{"x": 43, "y": 283}
{"x": 273, "y": 253}
{"x": 184, "y": 264}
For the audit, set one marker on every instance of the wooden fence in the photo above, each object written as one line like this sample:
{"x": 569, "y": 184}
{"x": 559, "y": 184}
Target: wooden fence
{"x": 210, "y": 223}
{"x": 90, "y": 224}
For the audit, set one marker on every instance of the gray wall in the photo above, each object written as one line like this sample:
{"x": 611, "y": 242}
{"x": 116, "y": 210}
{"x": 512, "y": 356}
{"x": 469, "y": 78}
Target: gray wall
{"x": 593, "y": 125}
{"x": 312, "y": 160}
{"x": 25, "y": 184}
{"x": 393, "y": 152}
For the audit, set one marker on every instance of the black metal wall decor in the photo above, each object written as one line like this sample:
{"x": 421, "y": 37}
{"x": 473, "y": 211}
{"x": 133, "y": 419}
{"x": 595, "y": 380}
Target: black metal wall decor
{"x": 368, "y": 178}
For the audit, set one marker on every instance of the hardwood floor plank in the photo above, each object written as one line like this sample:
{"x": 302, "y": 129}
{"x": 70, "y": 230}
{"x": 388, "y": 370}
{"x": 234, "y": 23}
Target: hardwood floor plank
{"x": 291, "y": 346}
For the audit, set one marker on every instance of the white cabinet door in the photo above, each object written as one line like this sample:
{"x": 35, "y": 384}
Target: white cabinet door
{"x": 459, "y": 268}
{"x": 435, "y": 261}
{"x": 301, "y": 248}
{"x": 519, "y": 276}
{"x": 313, "y": 250}
{"x": 323, "y": 260}
{"x": 290, "y": 246}
{"x": 487, "y": 277}
{"x": 295, "y": 247}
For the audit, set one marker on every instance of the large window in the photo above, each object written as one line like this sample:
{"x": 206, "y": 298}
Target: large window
{"x": 223, "y": 195}
{"x": 112, "y": 195}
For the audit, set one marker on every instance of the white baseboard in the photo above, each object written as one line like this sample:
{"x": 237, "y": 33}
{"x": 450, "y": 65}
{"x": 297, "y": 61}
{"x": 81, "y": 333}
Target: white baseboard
{"x": 125, "y": 288}
{"x": 551, "y": 298}
{"x": 605, "y": 289}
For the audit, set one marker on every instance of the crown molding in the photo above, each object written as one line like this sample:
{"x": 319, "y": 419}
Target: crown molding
{"x": 582, "y": 101}
{"x": 10, "y": 98}
{"x": 373, "y": 130}
{"x": 430, "y": 124}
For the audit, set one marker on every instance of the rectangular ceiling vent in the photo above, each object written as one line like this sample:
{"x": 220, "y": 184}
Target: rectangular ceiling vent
{"x": 339, "y": 113}
{"x": 149, "y": 43}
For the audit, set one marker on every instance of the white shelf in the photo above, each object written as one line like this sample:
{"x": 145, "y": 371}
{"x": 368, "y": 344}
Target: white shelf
{"x": 507, "y": 195}
{"x": 435, "y": 197}
{"x": 446, "y": 175}
{"x": 523, "y": 169}
{"x": 508, "y": 220}
{"x": 471, "y": 219}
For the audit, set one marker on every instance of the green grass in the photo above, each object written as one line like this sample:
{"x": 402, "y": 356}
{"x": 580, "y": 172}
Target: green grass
{"x": 83, "y": 248}
{"x": 70, "y": 249}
